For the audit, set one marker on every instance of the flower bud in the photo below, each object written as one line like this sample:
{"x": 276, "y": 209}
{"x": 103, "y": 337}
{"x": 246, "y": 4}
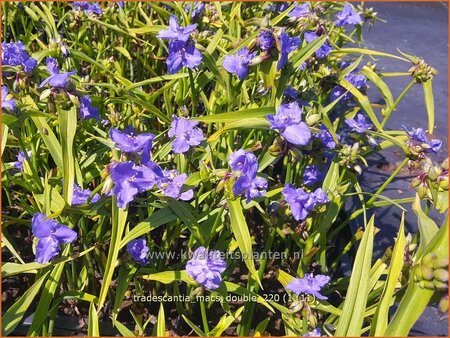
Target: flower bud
{"x": 415, "y": 182}
{"x": 444, "y": 164}
{"x": 440, "y": 285}
{"x": 443, "y": 304}
{"x": 107, "y": 186}
{"x": 424, "y": 284}
{"x": 441, "y": 275}
{"x": 440, "y": 263}
{"x": 422, "y": 191}
{"x": 313, "y": 119}
{"x": 429, "y": 259}
{"x": 443, "y": 182}
{"x": 427, "y": 272}
{"x": 434, "y": 173}
{"x": 278, "y": 147}
{"x": 296, "y": 306}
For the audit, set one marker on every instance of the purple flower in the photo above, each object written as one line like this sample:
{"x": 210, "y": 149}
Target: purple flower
{"x": 51, "y": 235}
{"x": 288, "y": 121}
{"x": 181, "y": 54}
{"x": 360, "y": 125}
{"x": 186, "y": 134}
{"x": 358, "y": 81}
{"x": 130, "y": 142}
{"x": 314, "y": 333}
{"x": 309, "y": 285}
{"x": 277, "y": 7}
{"x": 239, "y": 63}
{"x": 129, "y": 180}
{"x": 172, "y": 183}
{"x": 244, "y": 163}
{"x": 418, "y": 135}
{"x": 324, "y": 50}
{"x": 7, "y": 104}
{"x": 312, "y": 175}
{"x": 87, "y": 110}
{"x": 258, "y": 188}
{"x": 80, "y": 196}
{"x": 197, "y": 10}
{"x": 326, "y": 138}
{"x": 56, "y": 80}
{"x": 87, "y": 7}
{"x": 14, "y": 54}
{"x": 266, "y": 40}
{"x": 206, "y": 268}
{"x": 176, "y": 32}
{"x": 347, "y": 17}
{"x": 287, "y": 45}
{"x": 300, "y": 10}
{"x": 302, "y": 202}
{"x": 138, "y": 250}
{"x": 21, "y": 156}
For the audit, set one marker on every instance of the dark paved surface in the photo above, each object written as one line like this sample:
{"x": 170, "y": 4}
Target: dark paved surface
{"x": 420, "y": 29}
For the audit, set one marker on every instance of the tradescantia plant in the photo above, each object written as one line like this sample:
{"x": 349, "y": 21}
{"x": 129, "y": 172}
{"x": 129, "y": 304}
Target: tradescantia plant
{"x": 172, "y": 149}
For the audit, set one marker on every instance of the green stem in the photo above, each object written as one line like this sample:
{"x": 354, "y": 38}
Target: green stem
{"x": 389, "y": 180}
{"x": 194, "y": 93}
{"x": 204, "y": 318}
{"x": 400, "y": 97}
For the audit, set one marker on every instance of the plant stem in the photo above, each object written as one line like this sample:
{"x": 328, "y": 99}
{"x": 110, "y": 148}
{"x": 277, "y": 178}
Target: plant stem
{"x": 204, "y": 318}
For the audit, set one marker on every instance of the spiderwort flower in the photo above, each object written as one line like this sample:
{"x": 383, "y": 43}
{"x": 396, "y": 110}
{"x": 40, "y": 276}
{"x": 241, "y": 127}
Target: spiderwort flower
{"x": 21, "y": 156}
{"x": 181, "y": 54}
{"x": 309, "y": 285}
{"x": 266, "y": 40}
{"x": 244, "y": 163}
{"x": 360, "y": 125}
{"x": 348, "y": 16}
{"x": 130, "y": 142}
{"x": 288, "y": 121}
{"x": 277, "y": 7}
{"x": 51, "y": 235}
{"x": 287, "y": 44}
{"x": 56, "y": 80}
{"x": 172, "y": 183}
{"x": 7, "y": 103}
{"x": 186, "y": 134}
{"x": 239, "y": 63}
{"x": 87, "y": 110}
{"x": 314, "y": 333}
{"x": 418, "y": 135}
{"x": 129, "y": 180}
{"x": 312, "y": 174}
{"x": 14, "y": 54}
{"x": 258, "y": 188}
{"x": 80, "y": 196}
{"x": 87, "y": 7}
{"x": 358, "y": 81}
{"x": 326, "y": 138}
{"x": 300, "y": 10}
{"x": 176, "y": 32}
{"x": 301, "y": 202}
{"x": 138, "y": 250}
{"x": 206, "y": 268}
{"x": 197, "y": 10}
{"x": 324, "y": 50}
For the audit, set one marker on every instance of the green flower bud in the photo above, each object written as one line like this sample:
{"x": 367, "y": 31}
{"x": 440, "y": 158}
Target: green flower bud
{"x": 441, "y": 275}
{"x": 296, "y": 306}
{"x": 313, "y": 119}
{"x": 434, "y": 173}
{"x": 422, "y": 191}
{"x": 429, "y": 259}
{"x": 425, "y": 284}
{"x": 427, "y": 272}
{"x": 278, "y": 147}
{"x": 443, "y": 182}
{"x": 444, "y": 164}
{"x": 415, "y": 182}
{"x": 443, "y": 304}
{"x": 440, "y": 263}
{"x": 440, "y": 285}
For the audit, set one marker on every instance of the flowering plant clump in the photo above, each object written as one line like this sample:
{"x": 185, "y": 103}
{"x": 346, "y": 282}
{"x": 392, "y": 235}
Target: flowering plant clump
{"x": 211, "y": 154}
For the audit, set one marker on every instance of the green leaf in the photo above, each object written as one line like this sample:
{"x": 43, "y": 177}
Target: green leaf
{"x": 15, "y": 313}
{"x": 184, "y": 214}
{"x": 429, "y": 103}
{"x": 351, "y": 320}
{"x": 124, "y": 331}
{"x": 248, "y": 123}
{"x": 241, "y": 233}
{"x": 93, "y": 327}
{"x": 224, "y": 322}
{"x": 366, "y": 52}
{"x": 236, "y": 115}
{"x": 161, "y": 324}
{"x": 167, "y": 277}
{"x": 119, "y": 218}
{"x": 194, "y": 327}
{"x": 380, "y": 84}
{"x": 427, "y": 227}
{"x": 68, "y": 126}
{"x": 380, "y": 319}
{"x": 126, "y": 273}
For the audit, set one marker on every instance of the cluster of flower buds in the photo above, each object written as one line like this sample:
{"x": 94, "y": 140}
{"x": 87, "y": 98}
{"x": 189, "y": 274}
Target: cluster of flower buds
{"x": 432, "y": 183}
{"x": 421, "y": 71}
{"x": 432, "y": 272}
{"x": 349, "y": 157}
